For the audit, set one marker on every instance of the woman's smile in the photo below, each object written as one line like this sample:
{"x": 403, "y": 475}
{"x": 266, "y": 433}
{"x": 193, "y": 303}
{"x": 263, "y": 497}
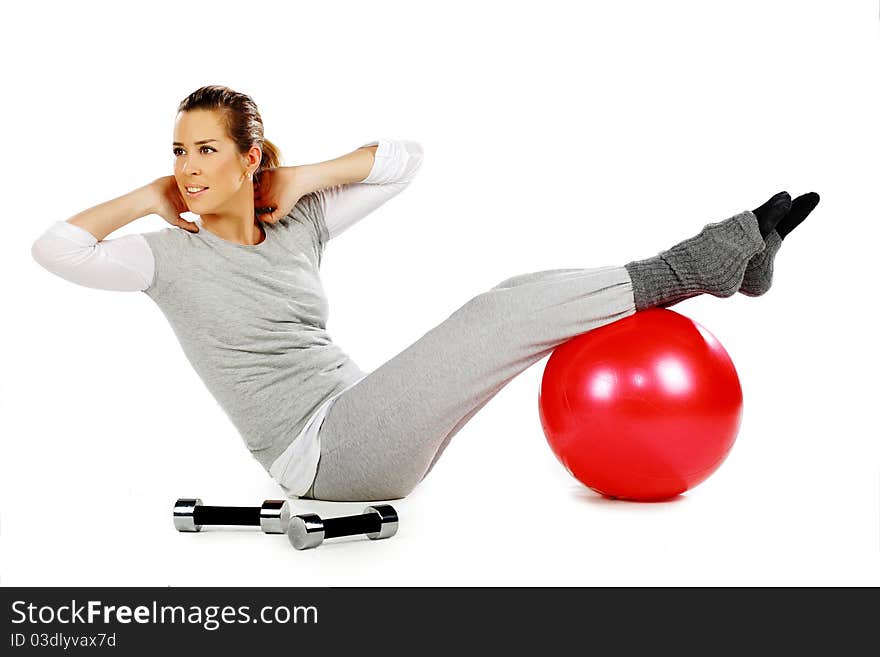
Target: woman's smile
{"x": 195, "y": 194}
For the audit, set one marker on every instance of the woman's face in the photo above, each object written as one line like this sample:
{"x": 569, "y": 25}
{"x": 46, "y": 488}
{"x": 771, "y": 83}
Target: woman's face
{"x": 205, "y": 157}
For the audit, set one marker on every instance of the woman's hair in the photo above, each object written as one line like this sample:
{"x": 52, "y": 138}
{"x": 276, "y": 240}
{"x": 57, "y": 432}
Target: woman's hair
{"x": 241, "y": 118}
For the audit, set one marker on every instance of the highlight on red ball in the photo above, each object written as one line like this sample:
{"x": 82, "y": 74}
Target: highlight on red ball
{"x": 642, "y": 409}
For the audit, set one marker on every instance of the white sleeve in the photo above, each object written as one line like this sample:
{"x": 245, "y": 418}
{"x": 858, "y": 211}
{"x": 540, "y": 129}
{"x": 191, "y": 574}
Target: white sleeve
{"x": 74, "y": 254}
{"x": 395, "y": 165}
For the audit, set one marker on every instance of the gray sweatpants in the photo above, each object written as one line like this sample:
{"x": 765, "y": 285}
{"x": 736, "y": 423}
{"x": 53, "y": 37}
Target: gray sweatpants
{"x": 383, "y": 435}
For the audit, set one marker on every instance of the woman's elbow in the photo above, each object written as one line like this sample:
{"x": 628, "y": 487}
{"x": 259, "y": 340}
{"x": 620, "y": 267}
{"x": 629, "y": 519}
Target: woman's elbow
{"x": 415, "y": 155}
{"x": 42, "y": 253}
{"x": 59, "y": 258}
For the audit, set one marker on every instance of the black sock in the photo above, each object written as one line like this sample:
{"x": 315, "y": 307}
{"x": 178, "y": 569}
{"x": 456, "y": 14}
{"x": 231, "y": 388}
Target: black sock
{"x": 800, "y": 208}
{"x": 772, "y": 212}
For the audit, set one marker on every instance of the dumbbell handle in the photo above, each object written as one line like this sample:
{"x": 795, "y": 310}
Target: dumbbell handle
{"x": 366, "y": 523}
{"x": 227, "y": 515}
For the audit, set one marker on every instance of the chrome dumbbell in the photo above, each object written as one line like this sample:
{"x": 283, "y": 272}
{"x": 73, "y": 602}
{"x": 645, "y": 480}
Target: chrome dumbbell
{"x": 190, "y": 515}
{"x": 308, "y": 530}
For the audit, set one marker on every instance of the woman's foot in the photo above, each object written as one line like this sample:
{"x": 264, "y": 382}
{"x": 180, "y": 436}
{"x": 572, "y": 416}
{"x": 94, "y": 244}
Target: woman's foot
{"x": 758, "y": 276}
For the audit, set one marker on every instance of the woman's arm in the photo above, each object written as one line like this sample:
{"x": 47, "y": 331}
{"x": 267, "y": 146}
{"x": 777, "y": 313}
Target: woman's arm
{"x": 77, "y": 251}
{"x": 103, "y": 219}
{"x": 347, "y": 188}
{"x": 350, "y": 168}
{"x": 72, "y": 252}
{"x": 395, "y": 164}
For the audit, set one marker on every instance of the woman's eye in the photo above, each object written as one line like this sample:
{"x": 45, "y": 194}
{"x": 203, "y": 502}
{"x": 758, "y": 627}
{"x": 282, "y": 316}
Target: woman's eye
{"x": 178, "y": 150}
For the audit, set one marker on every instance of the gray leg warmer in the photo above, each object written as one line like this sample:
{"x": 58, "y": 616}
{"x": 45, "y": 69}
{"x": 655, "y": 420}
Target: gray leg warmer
{"x": 759, "y": 272}
{"x": 713, "y": 262}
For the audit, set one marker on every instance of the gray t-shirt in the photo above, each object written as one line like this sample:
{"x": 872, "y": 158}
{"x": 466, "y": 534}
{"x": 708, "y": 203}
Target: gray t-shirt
{"x": 252, "y": 320}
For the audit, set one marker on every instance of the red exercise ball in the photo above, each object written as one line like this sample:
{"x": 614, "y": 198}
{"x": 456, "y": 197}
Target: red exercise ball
{"x": 643, "y": 408}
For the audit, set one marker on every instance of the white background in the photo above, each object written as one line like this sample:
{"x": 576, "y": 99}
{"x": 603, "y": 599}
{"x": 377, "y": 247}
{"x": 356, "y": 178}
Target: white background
{"x": 556, "y": 134}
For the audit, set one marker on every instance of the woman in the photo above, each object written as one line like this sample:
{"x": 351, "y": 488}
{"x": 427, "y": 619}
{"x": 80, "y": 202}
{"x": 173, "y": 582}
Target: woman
{"x": 241, "y": 289}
